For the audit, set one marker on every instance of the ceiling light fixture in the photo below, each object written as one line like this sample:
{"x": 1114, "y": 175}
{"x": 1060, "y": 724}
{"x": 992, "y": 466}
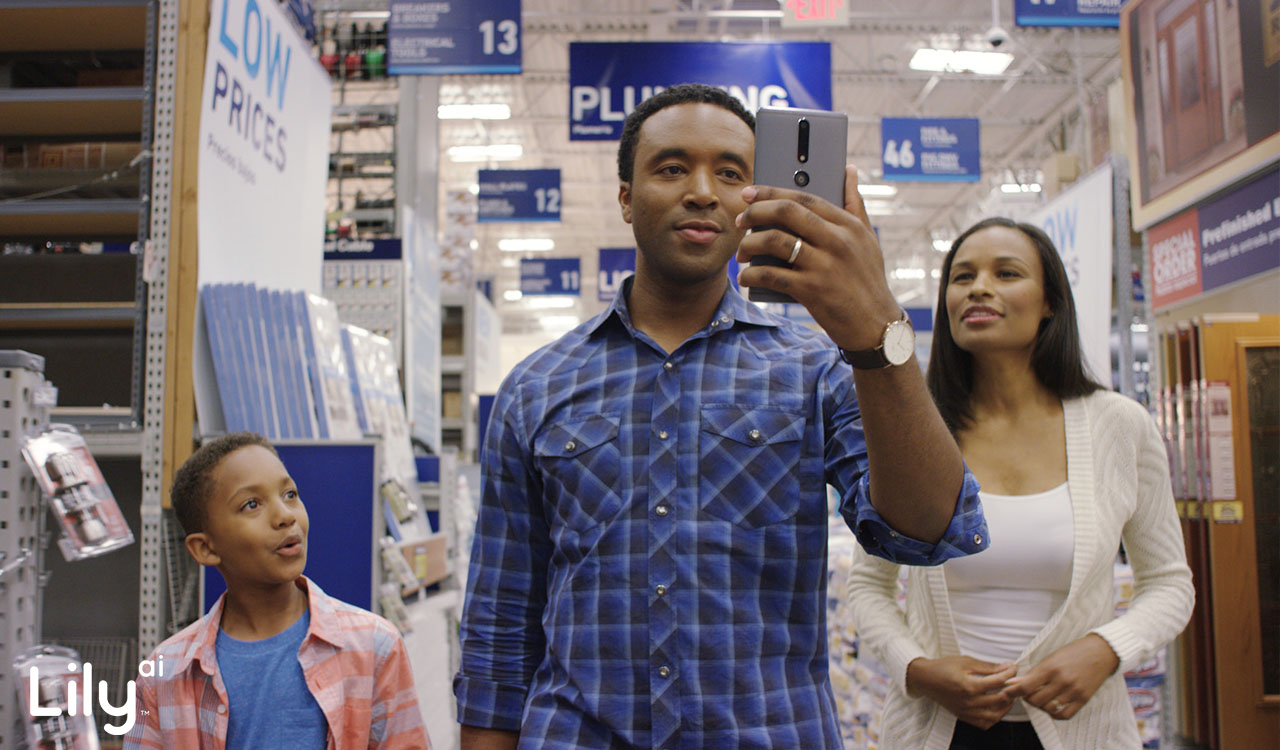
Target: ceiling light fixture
{"x": 1014, "y": 188}
{"x": 473, "y": 112}
{"x": 526, "y": 244}
{"x": 942, "y": 246}
{"x": 877, "y": 191}
{"x": 512, "y": 295}
{"x": 960, "y": 61}
{"x": 496, "y": 152}
{"x": 550, "y": 302}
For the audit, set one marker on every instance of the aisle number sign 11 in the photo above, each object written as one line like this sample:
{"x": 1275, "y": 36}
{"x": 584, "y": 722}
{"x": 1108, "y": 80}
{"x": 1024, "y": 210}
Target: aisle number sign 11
{"x": 930, "y": 149}
{"x": 551, "y": 276}
{"x": 428, "y": 37}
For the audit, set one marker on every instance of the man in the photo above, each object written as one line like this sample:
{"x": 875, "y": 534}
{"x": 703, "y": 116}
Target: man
{"x": 649, "y": 567}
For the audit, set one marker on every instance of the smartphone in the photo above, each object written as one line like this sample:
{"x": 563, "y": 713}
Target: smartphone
{"x": 801, "y": 149}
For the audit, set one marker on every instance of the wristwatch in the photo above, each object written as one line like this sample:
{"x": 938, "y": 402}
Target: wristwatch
{"x": 897, "y": 344}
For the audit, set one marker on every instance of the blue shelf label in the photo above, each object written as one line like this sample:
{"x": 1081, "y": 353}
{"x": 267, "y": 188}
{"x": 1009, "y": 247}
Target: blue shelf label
{"x": 551, "y": 276}
{"x": 426, "y": 37}
{"x": 519, "y": 195}
{"x": 345, "y": 249}
{"x": 608, "y": 79}
{"x": 930, "y": 149}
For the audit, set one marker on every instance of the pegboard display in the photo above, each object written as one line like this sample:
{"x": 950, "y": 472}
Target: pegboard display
{"x": 25, "y": 398}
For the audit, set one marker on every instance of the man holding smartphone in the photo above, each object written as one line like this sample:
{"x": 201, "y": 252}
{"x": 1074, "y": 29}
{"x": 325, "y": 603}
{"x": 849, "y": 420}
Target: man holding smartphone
{"x": 649, "y": 566}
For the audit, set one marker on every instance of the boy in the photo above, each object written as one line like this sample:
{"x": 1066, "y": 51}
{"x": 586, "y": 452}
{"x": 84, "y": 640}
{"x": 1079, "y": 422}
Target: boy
{"x": 276, "y": 663}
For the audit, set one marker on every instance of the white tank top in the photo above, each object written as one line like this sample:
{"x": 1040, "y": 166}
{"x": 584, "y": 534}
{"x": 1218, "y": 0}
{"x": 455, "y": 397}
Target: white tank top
{"x": 1002, "y": 597}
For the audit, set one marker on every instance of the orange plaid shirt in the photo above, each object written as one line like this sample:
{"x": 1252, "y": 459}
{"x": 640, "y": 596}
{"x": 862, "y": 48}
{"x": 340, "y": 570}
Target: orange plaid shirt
{"x": 354, "y": 663}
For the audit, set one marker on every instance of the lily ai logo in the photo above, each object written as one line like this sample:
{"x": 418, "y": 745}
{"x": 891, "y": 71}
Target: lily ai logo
{"x": 47, "y": 700}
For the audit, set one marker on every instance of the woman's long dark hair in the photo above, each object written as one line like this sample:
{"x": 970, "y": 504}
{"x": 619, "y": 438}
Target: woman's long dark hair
{"x": 1057, "y": 359}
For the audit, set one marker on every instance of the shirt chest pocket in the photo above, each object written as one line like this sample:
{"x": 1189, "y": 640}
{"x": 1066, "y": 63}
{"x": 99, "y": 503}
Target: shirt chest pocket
{"x": 581, "y": 469}
{"x": 750, "y": 462}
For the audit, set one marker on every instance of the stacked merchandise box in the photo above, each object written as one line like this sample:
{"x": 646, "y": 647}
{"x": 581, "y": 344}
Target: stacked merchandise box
{"x": 1146, "y": 681}
{"x": 858, "y": 680}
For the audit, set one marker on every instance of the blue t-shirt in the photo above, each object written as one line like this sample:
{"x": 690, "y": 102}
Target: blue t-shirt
{"x": 270, "y": 704}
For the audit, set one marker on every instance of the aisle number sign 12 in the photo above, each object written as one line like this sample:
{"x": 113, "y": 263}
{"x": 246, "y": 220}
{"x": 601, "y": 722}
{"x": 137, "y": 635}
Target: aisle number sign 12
{"x": 428, "y": 37}
{"x": 519, "y": 195}
{"x": 930, "y": 149}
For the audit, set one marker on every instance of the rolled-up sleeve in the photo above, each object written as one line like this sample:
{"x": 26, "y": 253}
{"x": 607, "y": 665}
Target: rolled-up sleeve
{"x": 501, "y": 630}
{"x": 965, "y": 534}
{"x": 845, "y": 455}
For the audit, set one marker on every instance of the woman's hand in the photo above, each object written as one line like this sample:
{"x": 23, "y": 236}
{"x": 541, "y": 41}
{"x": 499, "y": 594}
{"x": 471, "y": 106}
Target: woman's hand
{"x": 967, "y": 687}
{"x": 1066, "y": 679}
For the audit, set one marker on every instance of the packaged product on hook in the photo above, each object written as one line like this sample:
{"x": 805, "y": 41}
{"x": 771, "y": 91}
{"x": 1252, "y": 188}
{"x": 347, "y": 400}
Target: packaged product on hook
{"x": 57, "y": 713}
{"x": 62, "y": 464}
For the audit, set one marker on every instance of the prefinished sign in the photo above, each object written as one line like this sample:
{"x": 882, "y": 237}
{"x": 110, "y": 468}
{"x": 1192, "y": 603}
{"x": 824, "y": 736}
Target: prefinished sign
{"x": 608, "y": 79}
{"x": 447, "y": 37}
{"x": 519, "y": 195}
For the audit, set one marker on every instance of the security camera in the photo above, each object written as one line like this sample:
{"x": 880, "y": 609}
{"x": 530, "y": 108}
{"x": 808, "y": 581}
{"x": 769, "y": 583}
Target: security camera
{"x": 997, "y": 36}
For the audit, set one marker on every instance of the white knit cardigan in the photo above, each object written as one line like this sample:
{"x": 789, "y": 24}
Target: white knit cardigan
{"x": 1118, "y": 474}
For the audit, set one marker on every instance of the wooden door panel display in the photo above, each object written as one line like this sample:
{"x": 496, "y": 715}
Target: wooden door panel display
{"x": 1186, "y": 31}
{"x": 1262, "y": 374}
{"x": 1239, "y": 358}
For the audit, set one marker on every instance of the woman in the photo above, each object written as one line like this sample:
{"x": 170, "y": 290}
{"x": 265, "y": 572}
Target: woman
{"x": 1017, "y": 647}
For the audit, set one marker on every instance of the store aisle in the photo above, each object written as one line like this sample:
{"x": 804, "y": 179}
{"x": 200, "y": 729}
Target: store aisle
{"x": 433, "y": 668}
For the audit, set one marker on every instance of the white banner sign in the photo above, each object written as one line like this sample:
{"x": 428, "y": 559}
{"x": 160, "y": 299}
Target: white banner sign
{"x": 1080, "y": 224}
{"x": 264, "y": 146}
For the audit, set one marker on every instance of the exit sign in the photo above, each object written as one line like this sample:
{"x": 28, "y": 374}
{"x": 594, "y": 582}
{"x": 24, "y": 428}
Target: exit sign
{"x": 812, "y": 13}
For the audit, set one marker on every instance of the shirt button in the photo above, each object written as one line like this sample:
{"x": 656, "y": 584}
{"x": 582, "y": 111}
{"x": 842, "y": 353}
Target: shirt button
{"x": 570, "y": 446}
{"x": 977, "y": 539}
{"x": 662, "y": 434}
{"x": 222, "y": 709}
{"x": 754, "y": 435}
{"x": 661, "y": 510}
{"x": 662, "y": 590}
{"x": 668, "y": 366}
{"x": 714, "y": 323}
{"x": 724, "y": 318}
{"x": 893, "y": 533}
{"x": 663, "y": 671}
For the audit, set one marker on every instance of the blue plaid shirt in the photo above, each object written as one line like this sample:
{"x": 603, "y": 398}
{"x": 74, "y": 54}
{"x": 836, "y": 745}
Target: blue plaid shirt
{"x": 650, "y": 559}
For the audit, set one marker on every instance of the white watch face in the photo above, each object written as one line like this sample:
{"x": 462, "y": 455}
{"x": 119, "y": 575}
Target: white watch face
{"x": 899, "y": 342}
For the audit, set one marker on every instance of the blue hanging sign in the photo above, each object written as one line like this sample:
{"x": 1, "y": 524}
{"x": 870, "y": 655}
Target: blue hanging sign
{"x": 608, "y": 79}
{"x": 551, "y": 276}
{"x": 427, "y": 37}
{"x": 519, "y": 195}
{"x": 1067, "y": 12}
{"x": 616, "y": 264}
{"x": 930, "y": 149}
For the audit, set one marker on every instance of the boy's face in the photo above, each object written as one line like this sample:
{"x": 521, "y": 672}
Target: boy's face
{"x": 255, "y": 529}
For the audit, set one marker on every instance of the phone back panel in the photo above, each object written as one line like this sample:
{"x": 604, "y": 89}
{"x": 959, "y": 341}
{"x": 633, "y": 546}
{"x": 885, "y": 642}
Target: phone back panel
{"x": 777, "y": 157}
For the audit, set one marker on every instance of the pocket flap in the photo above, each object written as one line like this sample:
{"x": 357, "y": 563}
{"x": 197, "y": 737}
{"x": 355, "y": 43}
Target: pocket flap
{"x": 569, "y": 439}
{"x": 753, "y": 425}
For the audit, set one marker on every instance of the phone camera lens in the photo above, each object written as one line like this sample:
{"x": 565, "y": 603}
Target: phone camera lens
{"x": 802, "y": 178}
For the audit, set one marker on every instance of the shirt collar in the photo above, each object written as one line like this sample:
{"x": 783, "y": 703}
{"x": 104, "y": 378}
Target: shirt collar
{"x": 733, "y": 308}
{"x": 201, "y": 648}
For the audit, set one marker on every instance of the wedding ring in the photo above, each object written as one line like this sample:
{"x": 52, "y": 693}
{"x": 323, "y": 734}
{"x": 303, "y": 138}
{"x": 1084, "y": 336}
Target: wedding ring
{"x": 1056, "y": 707}
{"x": 795, "y": 251}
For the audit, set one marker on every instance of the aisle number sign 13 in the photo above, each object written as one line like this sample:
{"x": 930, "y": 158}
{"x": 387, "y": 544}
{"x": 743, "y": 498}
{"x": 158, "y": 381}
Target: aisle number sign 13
{"x": 428, "y": 37}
